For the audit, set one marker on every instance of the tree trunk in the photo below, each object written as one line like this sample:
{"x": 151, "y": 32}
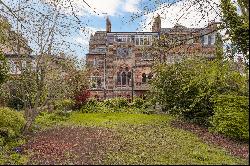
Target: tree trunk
{"x": 30, "y": 118}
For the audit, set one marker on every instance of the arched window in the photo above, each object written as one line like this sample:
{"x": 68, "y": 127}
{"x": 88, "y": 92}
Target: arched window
{"x": 124, "y": 78}
{"x": 118, "y": 78}
{"x": 129, "y": 78}
{"x": 144, "y": 78}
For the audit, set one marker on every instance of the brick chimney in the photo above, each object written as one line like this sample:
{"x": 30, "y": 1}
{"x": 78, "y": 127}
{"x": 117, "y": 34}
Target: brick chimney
{"x": 157, "y": 24}
{"x": 108, "y": 25}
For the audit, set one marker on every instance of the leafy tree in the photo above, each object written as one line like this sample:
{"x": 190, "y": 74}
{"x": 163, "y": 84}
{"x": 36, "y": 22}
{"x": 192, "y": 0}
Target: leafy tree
{"x": 53, "y": 76}
{"x": 4, "y": 26}
{"x": 3, "y": 68}
{"x": 237, "y": 24}
{"x": 219, "y": 47}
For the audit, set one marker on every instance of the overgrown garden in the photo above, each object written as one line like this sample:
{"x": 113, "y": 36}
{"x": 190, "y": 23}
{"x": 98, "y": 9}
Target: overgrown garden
{"x": 50, "y": 106}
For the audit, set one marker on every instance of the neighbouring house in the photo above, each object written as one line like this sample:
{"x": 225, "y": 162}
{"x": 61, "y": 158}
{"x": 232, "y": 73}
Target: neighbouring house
{"x": 16, "y": 49}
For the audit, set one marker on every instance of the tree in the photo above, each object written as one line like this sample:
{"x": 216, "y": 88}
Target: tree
{"x": 237, "y": 24}
{"x": 3, "y": 68}
{"x": 4, "y": 26}
{"x": 219, "y": 47}
{"x": 53, "y": 75}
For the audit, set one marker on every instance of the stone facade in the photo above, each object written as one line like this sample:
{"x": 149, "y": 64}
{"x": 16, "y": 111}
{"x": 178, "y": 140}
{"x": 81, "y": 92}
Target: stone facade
{"x": 120, "y": 63}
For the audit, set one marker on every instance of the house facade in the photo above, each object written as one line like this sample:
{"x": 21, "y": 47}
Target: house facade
{"x": 16, "y": 50}
{"x": 120, "y": 63}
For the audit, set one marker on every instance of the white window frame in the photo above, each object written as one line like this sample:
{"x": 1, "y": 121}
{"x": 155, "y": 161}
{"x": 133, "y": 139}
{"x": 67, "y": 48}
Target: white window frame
{"x": 212, "y": 39}
{"x": 205, "y": 40}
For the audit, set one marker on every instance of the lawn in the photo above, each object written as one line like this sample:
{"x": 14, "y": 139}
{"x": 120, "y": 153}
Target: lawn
{"x": 133, "y": 139}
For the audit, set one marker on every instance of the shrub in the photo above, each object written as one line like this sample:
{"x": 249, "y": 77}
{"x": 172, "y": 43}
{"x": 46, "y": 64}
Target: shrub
{"x": 185, "y": 88}
{"x": 142, "y": 104}
{"x": 231, "y": 116}
{"x": 15, "y": 103}
{"x": 81, "y": 98}
{"x": 92, "y": 106}
{"x": 11, "y": 124}
{"x": 113, "y": 105}
{"x": 116, "y": 103}
{"x": 138, "y": 102}
{"x": 65, "y": 104}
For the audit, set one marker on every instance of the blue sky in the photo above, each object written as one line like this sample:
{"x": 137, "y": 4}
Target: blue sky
{"x": 123, "y": 15}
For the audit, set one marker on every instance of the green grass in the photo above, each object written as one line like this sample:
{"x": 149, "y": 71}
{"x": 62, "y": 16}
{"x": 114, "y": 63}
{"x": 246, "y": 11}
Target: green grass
{"x": 116, "y": 119}
{"x": 149, "y": 139}
{"x": 8, "y": 156}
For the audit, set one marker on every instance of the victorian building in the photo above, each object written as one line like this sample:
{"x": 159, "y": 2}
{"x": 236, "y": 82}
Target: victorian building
{"x": 120, "y": 63}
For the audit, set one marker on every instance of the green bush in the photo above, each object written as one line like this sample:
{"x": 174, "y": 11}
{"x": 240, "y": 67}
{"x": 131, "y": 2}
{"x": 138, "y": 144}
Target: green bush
{"x": 231, "y": 116}
{"x": 138, "y": 102}
{"x": 143, "y": 105}
{"x": 91, "y": 106}
{"x": 185, "y": 88}
{"x": 11, "y": 123}
{"x": 15, "y": 103}
{"x": 116, "y": 103}
{"x": 47, "y": 119}
{"x": 65, "y": 104}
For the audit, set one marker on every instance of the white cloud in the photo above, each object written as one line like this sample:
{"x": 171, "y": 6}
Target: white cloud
{"x": 98, "y": 7}
{"x": 84, "y": 36}
{"x": 188, "y": 13}
{"x": 131, "y": 6}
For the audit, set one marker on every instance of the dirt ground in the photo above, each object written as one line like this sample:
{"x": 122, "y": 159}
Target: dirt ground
{"x": 76, "y": 145}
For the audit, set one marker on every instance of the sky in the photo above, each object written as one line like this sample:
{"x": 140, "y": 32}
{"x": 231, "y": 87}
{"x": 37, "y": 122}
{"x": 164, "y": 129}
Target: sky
{"x": 130, "y": 15}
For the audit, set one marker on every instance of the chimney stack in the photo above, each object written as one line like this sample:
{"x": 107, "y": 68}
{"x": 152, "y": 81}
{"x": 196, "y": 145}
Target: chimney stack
{"x": 108, "y": 25}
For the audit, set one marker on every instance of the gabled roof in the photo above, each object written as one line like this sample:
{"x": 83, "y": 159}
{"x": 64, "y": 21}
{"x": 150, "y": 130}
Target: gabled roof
{"x": 15, "y": 55}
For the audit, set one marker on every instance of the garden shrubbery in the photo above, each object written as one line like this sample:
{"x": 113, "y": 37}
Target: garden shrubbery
{"x": 81, "y": 98}
{"x": 64, "y": 104}
{"x": 231, "y": 116}
{"x": 138, "y": 102}
{"x": 93, "y": 106}
{"x": 11, "y": 124}
{"x": 15, "y": 103}
{"x": 63, "y": 107}
{"x": 189, "y": 88}
{"x": 47, "y": 119}
{"x": 116, "y": 105}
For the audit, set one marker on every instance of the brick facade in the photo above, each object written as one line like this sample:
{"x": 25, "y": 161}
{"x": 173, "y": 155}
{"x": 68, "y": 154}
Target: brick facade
{"x": 115, "y": 58}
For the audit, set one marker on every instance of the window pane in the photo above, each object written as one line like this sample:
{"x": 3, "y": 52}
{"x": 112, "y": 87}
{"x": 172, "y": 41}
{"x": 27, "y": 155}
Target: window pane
{"x": 124, "y": 78}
